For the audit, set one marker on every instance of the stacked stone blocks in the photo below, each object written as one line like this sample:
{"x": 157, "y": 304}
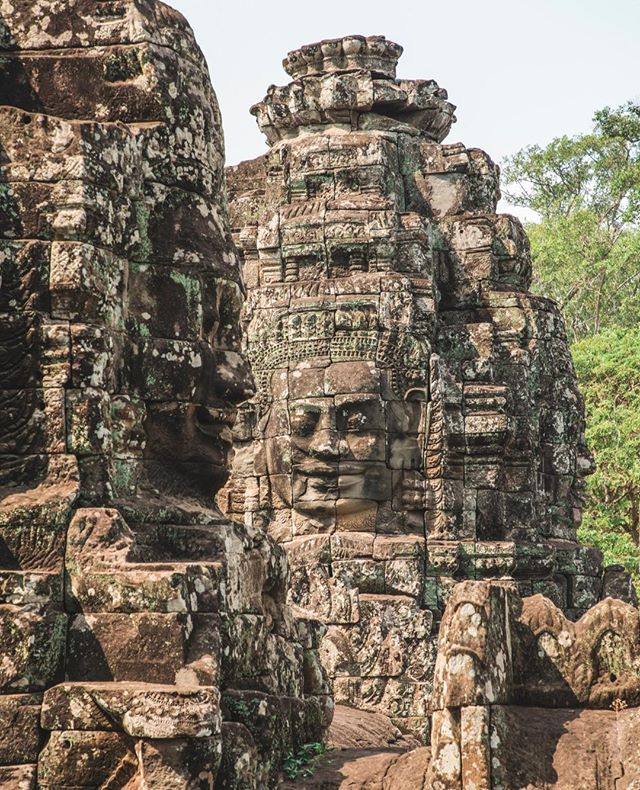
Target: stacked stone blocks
{"x": 145, "y": 637}
{"x": 417, "y": 420}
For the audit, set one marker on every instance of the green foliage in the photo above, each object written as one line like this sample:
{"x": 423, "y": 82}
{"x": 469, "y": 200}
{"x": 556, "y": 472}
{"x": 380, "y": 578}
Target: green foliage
{"x": 608, "y": 367}
{"x": 617, "y": 548}
{"x": 302, "y": 763}
{"x": 596, "y": 172}
{"x": 595, "y": 279}
{"x": 586, "y": 247}
{"x": 586, "y": 253}
{"x": 238, "y": 707}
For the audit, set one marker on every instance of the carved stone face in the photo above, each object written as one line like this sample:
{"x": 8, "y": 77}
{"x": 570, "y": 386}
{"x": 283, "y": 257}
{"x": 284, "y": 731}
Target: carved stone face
{"x": 188, "y": 442}
{"x": 338, "y": 446}
{"x": 220, "y": 376}
{"x": 128, "y": 303}
{"x": 120, "y": 371}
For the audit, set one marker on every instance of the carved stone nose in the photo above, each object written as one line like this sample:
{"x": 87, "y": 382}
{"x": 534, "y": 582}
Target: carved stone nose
{"x": 324, "y": 443}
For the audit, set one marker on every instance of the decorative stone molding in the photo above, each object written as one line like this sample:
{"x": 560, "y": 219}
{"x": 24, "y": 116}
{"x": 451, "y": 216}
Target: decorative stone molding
{"x": 525, "y": 697}
{"x": 351, "y": 82}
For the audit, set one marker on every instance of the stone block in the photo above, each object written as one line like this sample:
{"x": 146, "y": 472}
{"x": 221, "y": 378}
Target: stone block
{"x": 33, "y": 648}
{"x": 31, "y": 588}
{"x": 368, "y": 576}
{"x": 240, "y": 767}
{"x": 20, "y": 777}
{"x": 88, "y": 414}
{"x": 183, "y": 763}
{"x": 141, "y": 710}
{"x": 20, "y": 734}
{"x": 73, "y": 759}
{"x": 404, "y": 577}
{"x": 100, "y": 577}
{"x": 475, "y": 663}
{"x": 266, "y": 717}
{"x": 476, "y": 747}
{"x": 123, "y": 647}
{"x": 85, "y": 282}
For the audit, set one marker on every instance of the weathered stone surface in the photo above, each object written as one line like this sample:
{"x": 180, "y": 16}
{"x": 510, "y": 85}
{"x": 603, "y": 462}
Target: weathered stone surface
{"x": 475, "y": 647}
{"x": 497, "y": 648}
{"x": 417, "y": 420}
{"x": 573, "y": 748}
{"x": 20, "y": 733}
{"x": 32, "y": 648}
{"x": 22, "y": 777}
{"x": 138, "y": 709}
{"x": 354, "y": 729}
{"x": 594, "y": 662}
{"x": 125, "y": 596}
{"x": 270, "y": 721}
{"x": 366, "y": 752}
{"x": 240, "y": 762}
{"x": 541, "y": 748}
{"x": 524, "y": 697}
{"x": 416, "y": 423}
{"x": 73, "y": 758}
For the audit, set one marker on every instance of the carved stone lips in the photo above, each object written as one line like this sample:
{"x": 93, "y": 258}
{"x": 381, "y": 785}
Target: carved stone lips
{"x": 353, "y": 469}
{"x": 315, "y": 469}
{"x": 216, "y": 422}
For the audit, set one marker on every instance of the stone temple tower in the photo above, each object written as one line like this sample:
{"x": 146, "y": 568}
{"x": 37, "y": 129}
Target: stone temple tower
{"x": 144, "y": 639}
{"x": 417, "y": 420}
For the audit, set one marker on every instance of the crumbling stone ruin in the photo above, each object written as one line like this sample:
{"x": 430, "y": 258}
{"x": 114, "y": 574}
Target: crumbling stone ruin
{"x": 417, "y": 420}
{"x": 525, "y": 698}
{"x": 145, "y": 638}
{"x": 411, "y": 433}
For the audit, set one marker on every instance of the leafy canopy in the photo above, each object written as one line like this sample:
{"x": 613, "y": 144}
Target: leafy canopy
{"x": 608, "y": 367}
{"x": 586, "y": 247}
{"x": 586, "y": 251}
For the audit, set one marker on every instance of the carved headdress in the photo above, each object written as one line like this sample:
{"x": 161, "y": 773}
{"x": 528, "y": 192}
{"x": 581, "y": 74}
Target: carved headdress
{"x": 369, "y": 317}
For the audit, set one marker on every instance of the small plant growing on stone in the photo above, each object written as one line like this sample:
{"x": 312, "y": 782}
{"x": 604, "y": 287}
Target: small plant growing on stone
{"x": 618, "y": 705}
{"x": 238, "y": 707}
{"x": 302, "y": 762}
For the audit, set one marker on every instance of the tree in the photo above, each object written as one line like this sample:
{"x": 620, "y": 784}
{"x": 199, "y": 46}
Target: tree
{"x": 608, "y": 367}
{"x": 586, "y": 247}
{"x": 586, "y": 252}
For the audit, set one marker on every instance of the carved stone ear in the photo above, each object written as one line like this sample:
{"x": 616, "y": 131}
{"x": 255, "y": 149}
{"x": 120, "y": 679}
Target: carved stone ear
{"x": 263, "y": 416}
{"x": 417, "y": 394}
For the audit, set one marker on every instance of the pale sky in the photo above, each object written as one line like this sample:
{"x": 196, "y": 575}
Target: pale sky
{"x": 519, "y": 71}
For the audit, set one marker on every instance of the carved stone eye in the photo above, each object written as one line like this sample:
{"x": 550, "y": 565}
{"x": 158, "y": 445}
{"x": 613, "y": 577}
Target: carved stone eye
{"x": 352, "y": 419}
{"x": 304, "y": 421}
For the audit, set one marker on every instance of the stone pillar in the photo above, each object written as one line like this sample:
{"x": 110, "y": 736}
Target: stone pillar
{"x": 143, "y": 633}
{"x": 524, "y": 697}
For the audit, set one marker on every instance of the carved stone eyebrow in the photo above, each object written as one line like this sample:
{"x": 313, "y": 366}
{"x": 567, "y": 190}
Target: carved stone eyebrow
{"x": 307, "y": 407}
{"x": 357, "y": 397}
{"x": 356, "y": 402}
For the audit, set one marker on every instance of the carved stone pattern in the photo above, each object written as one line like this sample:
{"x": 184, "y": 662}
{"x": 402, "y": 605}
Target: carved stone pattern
{"x": 524, "y": 697}
{"x": 417, "y": 420}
